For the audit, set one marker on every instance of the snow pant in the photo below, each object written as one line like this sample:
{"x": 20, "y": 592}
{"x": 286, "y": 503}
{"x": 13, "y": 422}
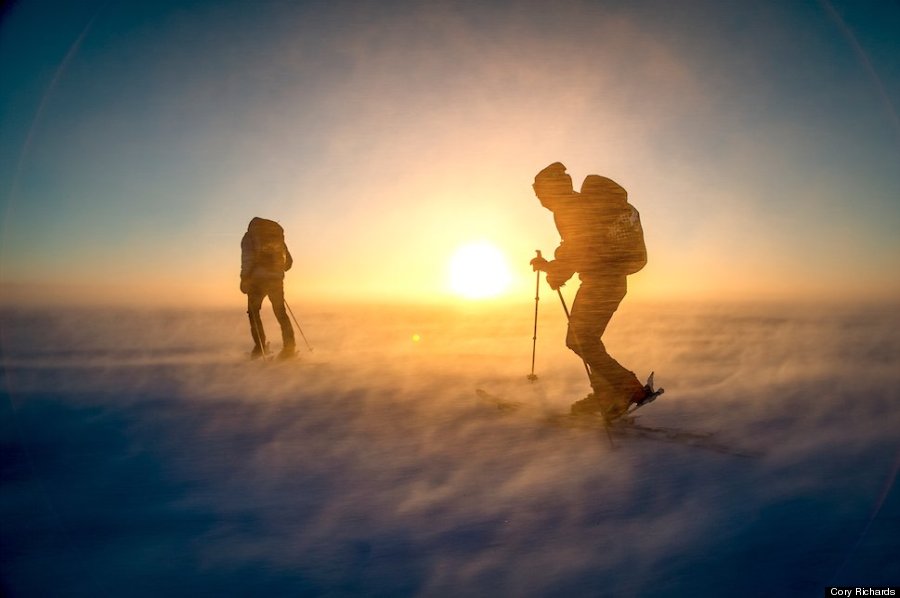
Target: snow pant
{"x": 274, "y": 290}
{"x": 595, "y": 302}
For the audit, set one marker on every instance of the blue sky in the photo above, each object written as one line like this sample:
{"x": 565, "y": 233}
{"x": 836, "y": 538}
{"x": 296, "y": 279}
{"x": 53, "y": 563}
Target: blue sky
{"x": 760, "y": 141}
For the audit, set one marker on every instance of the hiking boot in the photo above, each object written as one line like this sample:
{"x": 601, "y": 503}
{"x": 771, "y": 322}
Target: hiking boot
{"x": 587, "y": 405}
{"x": 287, "y": 353}
{"x": 643, "y": 394}
{"x": 639, "y": 396}
{"x": 634, "y": 395}
{"x": 258, "y": 352}
{"x": 610, "y": 409}
{"x": 614, "y": 409}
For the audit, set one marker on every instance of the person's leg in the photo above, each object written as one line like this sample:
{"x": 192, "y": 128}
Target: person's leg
{"x": 594, "y": 305}
{"x": 276, "y": 296}
{"x": 254, "y": 303}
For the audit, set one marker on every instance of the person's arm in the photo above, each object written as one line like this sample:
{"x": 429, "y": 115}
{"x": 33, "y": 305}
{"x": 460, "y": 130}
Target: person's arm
{"x": 561, "y": 269}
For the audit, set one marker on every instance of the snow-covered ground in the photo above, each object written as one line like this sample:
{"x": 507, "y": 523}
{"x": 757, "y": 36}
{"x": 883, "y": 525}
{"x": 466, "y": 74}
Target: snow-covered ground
{"x": 143, "y": 456}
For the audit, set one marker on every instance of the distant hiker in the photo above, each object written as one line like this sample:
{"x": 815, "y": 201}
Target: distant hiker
{"x": 264, "y": 260}
{"x": 603, "y": 242}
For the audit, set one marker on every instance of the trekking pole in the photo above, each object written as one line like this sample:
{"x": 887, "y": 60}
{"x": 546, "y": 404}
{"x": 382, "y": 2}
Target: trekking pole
{"x": 587, "y": 368}
{"x": 537, "y": 297}
{"x": 290, "y": 311}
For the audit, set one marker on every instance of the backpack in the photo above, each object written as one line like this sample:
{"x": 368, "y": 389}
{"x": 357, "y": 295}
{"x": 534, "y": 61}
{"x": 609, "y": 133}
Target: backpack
{"x": 269, "y": 249}
{"x": 625, "y": 237}
{"x": 616, "y": 242}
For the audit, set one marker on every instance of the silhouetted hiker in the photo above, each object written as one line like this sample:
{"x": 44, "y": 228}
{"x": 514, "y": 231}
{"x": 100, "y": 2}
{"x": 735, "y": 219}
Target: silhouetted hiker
{"x": 264, "y": 260}
{"x": 603, "y": 242}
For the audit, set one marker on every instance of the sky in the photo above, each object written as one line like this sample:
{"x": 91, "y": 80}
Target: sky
{"x": 759, "y": 141}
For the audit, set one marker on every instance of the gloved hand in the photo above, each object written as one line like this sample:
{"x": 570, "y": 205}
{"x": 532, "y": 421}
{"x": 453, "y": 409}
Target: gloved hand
{"x": 558, "y": 273}
{"x": 245, "y": 286}
{"x": 538, "y": 263}
{"x": 557, "y": 279}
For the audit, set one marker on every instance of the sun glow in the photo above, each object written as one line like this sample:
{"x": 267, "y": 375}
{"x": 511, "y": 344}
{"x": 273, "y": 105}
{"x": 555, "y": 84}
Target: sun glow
{"x": 479, "y": 271}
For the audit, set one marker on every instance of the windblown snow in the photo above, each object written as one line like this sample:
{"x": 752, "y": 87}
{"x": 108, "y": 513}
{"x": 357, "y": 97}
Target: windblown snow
{"x": 144, "y": 455}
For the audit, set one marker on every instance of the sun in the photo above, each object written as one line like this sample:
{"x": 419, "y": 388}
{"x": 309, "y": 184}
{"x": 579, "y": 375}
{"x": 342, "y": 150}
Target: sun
{"x": 479, "y": 270}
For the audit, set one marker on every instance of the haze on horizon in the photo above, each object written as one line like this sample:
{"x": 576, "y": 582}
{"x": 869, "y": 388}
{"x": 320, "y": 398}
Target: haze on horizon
{"x": 760, "y": 143}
